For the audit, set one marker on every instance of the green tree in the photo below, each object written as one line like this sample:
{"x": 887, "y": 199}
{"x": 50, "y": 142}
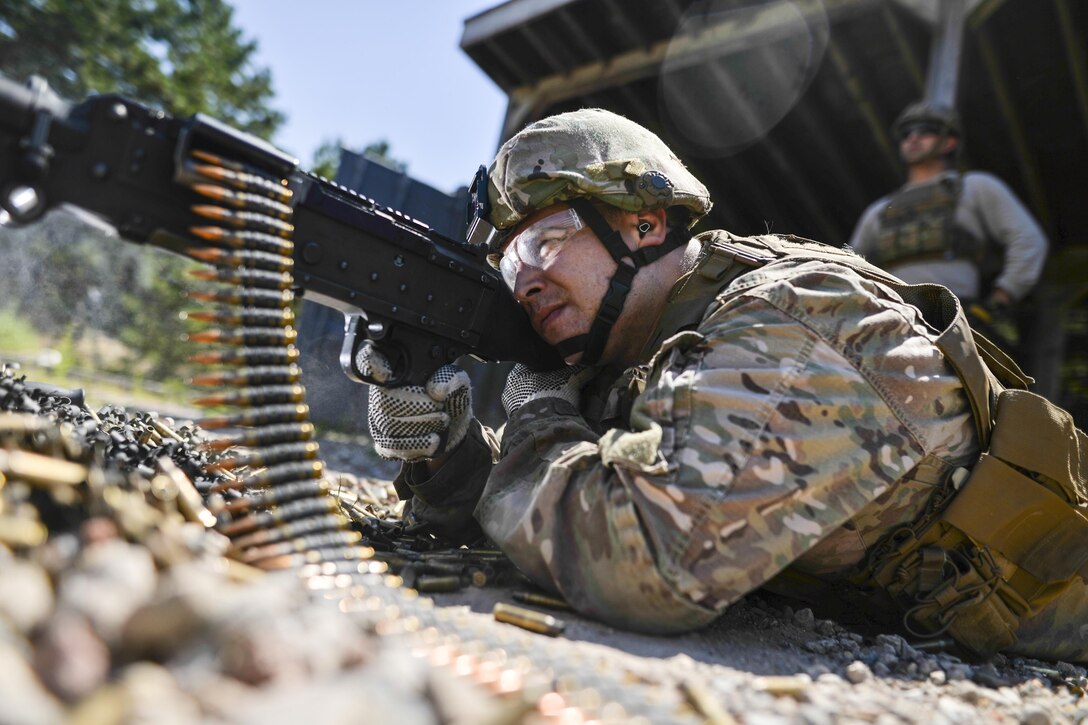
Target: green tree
{"x": 327, "y": 156}
{"x": 184, "y": 56}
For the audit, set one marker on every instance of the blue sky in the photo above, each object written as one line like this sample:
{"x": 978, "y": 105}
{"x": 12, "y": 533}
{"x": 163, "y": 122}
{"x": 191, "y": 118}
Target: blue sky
{"x": 367, "y": 70}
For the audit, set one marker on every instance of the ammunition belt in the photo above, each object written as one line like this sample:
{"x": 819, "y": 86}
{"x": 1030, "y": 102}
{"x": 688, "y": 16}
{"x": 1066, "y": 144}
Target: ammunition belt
{"x": 274, "y": 501}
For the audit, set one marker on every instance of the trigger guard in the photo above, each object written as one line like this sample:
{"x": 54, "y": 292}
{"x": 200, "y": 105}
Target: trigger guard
{"x": 349, "y": 350}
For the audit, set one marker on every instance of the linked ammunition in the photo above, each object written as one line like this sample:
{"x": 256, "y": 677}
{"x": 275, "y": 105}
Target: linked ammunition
{"x": 265, "y": 436}
{"x": 247, "y": 336}
{"x": 244, "y": 200}
{"x": 309, "y": 525}
{"x": 264, "y": 416}
{"x": 189, "y": 501}
{"x": 245, "y": 258}
{"x": 274, "y": 476}
{"x": 301, "y": 451}
{"x": 242, "y": 277}
{"x": 529, "y": 619}
{"x": 264, "y": 375}
{"x": 240, "y": 176}
{"x": 317, "y": 556}
{"x": 244, "y": 219}
{"x": 541, "y": 600}
{"x": 259, "y": 395}
{"x": 234, "y": 239}
{"x": 248, "y": 356}
{"x": 281, "y": 515}
{"x": 301, "y": 545}
{"x": 246, "y": 316}
{"x": 280, "y": 494}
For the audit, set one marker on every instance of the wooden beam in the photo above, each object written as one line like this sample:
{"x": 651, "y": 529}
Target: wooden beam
{"x": 1024, "y": 156}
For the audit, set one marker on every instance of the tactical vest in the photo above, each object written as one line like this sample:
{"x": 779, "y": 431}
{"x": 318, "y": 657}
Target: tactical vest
{"x": 919, "y": 223}
{"x": 999, "y": 540}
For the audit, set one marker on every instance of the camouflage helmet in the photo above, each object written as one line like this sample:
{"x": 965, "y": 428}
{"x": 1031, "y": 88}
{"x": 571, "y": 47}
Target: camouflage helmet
{"x": 926, "y": 112}
{"x": 593, "y": 154}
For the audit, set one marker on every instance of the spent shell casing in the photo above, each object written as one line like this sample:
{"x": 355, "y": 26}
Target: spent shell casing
{"x": 244, "y": 200}
{"x": 264, "y": 416}
{"x": 246, "y": 316}
{"x": 246, "y": 336}
{"x": 259, "y": 395}
{"x": 243, "y": 277}
{"x": 243, "y": 239}
{"x": 541, "y": 600}
{"x": 301, "y": 451}
{"x": 439, "y": 584}
{"x": 280, "y": 515}
{"x": 438, "y": 567}
{"x": 274, "y": 476}
{"x": 529, "y": 619}
{"x": 262, "y": 375}
{"x": 16, "y": 531}
{"x": 190, "y": 502}
{"x": 245, "y": 258}
{"x": 265, "y": 436}
{"x": 244, "y": 219}
{"x": 280, "y": 494}
{"x": 248, "y": 356}
{"x": 40, "y": 470}
{"x": 301, "y": 527}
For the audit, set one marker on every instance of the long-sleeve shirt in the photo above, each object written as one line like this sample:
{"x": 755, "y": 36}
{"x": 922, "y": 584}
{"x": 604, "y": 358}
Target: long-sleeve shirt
{"x": 792, "y": 422}
{"x": 987, "y": 210}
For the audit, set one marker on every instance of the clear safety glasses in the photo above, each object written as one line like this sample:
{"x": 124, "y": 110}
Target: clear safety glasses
{"x": 537, "y": 246}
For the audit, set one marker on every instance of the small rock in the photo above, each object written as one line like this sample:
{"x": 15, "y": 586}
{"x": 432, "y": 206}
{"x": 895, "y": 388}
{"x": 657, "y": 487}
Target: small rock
{"x": 22, "y": 697}
{"x": 858, "y": 671}
{"x": 938, "y": 677}
{"x": 827, "y": 628}
{"x": 1035, "y": 715}
{"x": 26, "y": 595}
{"x": 70, "y": 659}
{"x": 805, "y": 619}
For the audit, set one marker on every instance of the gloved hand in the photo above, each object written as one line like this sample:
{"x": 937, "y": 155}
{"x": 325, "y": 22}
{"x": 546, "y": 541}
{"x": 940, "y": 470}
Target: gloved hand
{"x": 523, "y": 385}
{"x": 415, "y": 422}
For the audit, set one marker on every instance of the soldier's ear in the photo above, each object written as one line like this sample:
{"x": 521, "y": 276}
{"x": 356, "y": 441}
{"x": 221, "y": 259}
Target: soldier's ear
{"x": 949, "y": 145}
{"x": 650, "y": 227}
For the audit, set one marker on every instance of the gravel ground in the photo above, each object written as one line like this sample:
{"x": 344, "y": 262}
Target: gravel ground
{"x": 118, "y": 606}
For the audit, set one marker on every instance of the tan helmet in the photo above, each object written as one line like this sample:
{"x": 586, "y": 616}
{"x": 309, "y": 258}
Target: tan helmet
{"x": 925, "y": 112}
{"x": 591, "y": 154}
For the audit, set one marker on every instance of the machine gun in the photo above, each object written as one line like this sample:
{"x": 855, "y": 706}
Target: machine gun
{"x": 424, "y": 299}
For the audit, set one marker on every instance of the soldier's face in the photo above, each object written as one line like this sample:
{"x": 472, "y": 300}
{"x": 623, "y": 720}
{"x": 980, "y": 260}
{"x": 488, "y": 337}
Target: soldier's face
{"x": 922, "y": 143}
{"x": 563, "y": 295}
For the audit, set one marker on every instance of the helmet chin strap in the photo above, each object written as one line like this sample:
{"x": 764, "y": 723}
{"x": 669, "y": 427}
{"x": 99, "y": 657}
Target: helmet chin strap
{"x": 591, "y": 345}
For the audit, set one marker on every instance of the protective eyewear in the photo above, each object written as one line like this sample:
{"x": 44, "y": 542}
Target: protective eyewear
{"x": 536, "y": 246}
{"x": 921, "y": 129}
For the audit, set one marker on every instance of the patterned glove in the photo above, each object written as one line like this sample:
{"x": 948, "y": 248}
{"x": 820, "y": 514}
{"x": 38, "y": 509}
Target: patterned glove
{"x": 523, "y": 385}
{"x": 415, "y": 422}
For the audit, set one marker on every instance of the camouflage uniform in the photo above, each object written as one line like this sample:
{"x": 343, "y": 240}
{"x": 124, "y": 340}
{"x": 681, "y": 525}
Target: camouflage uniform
{"x": 805, "y": 412}
{"x": 789, "y": 422}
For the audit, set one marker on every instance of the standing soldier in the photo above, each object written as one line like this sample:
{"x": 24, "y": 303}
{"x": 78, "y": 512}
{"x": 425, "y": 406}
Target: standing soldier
{"x": 734, "y": 407}
{"x": 967, "y": 231}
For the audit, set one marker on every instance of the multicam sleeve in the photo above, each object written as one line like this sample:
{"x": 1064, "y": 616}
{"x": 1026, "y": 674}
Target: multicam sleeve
{"x": 757, "y": 435}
